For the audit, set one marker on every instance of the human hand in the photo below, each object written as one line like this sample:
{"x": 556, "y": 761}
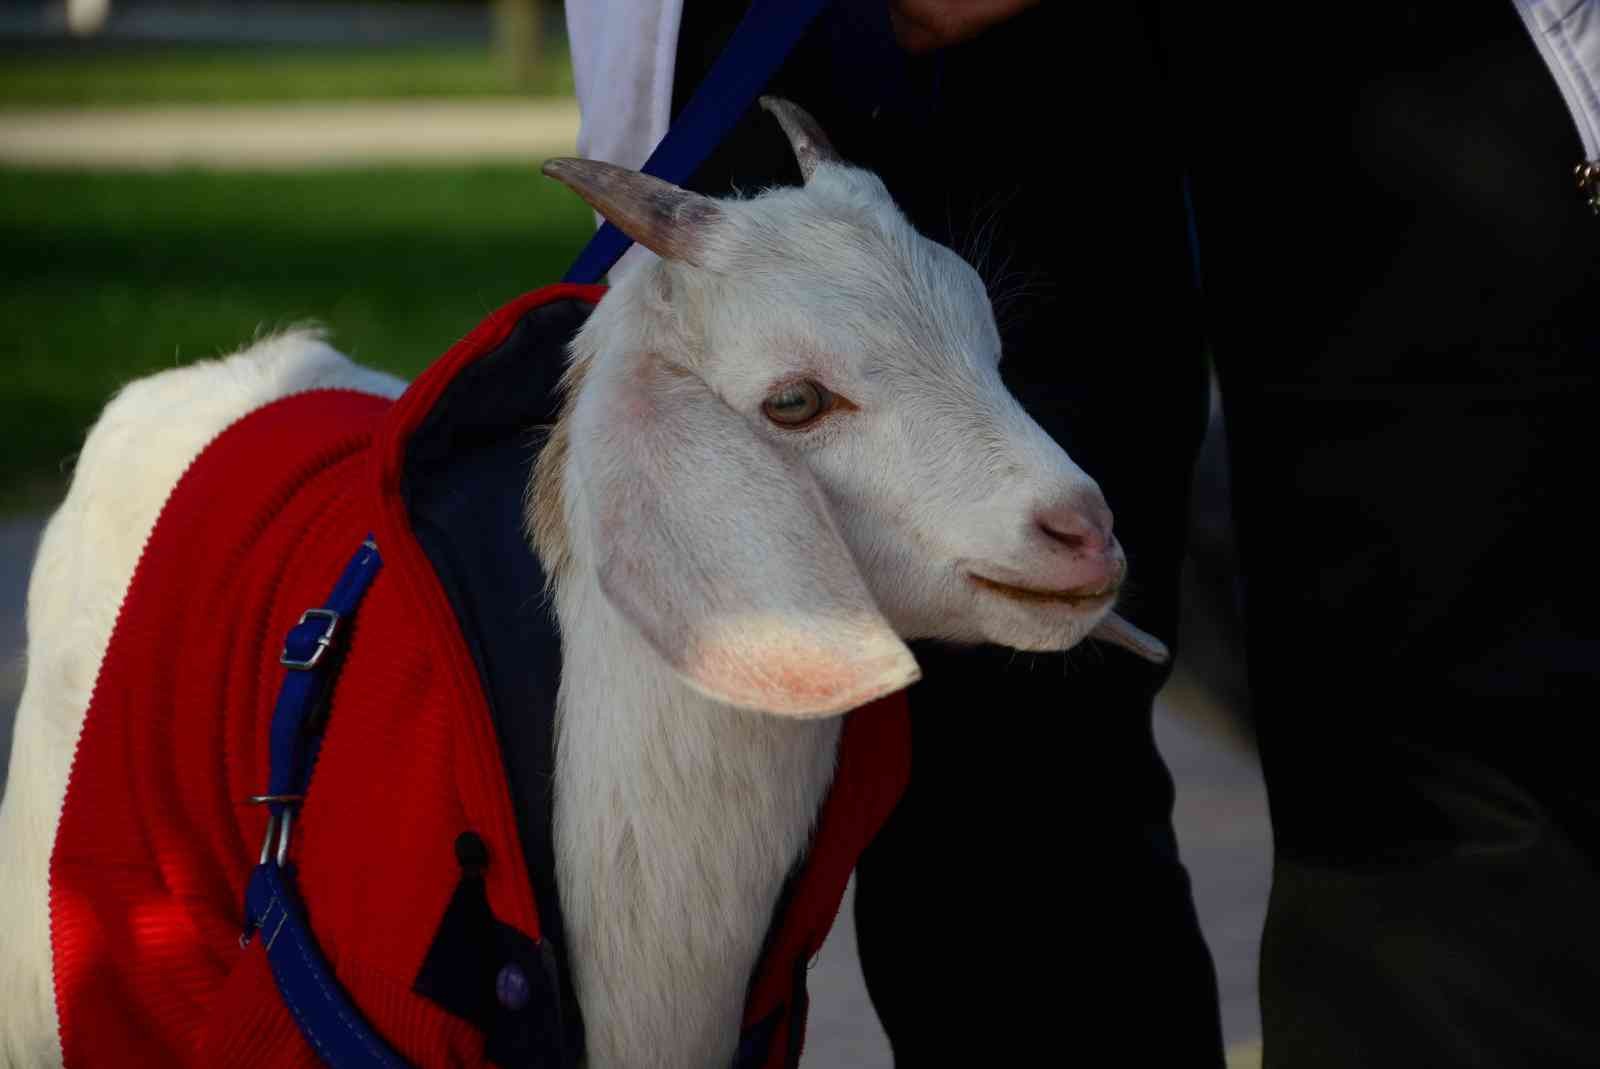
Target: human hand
{"x": 924, "y": 25}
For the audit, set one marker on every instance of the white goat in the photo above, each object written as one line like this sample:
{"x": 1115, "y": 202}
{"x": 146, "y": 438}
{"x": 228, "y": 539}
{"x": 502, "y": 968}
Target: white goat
{"x": 785, "y": 448}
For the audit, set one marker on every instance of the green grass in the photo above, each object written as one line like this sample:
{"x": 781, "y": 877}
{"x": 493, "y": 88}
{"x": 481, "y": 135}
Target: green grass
{"x": 235, "y": 75}
{"x": 106, "y": 276}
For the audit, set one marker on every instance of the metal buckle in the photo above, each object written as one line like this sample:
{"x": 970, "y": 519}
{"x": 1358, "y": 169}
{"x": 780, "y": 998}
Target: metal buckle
{"x": 276, "y": 827}
{"x": 323, "y": 641}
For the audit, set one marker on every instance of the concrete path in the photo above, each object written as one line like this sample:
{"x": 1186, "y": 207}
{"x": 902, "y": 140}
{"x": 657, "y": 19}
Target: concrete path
{"x": 1221, "y": 820}
{"x": 292, "y": 136}
{"x": 1225, "y": 839}
{"x": 19, "y": 537}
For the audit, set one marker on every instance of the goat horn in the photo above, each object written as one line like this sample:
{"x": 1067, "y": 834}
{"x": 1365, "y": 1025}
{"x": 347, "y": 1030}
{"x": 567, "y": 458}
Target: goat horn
{"x": 670, "y": 222}
{"x": 811, "y": 146}
{"x": 1119, "y": 632}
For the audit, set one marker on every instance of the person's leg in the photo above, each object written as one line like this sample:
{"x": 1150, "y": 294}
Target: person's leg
{"x": 1027, "y": 901}
{"x": 1404, "y": 297}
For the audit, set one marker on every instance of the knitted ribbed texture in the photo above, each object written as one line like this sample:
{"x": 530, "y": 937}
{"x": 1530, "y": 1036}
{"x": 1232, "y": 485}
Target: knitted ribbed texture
{"x": 155, "y": 844}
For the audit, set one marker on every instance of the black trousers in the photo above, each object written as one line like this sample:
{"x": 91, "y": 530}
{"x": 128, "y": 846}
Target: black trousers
{"x": 1403, "y": 293}
{"x": 1399, "y": 289}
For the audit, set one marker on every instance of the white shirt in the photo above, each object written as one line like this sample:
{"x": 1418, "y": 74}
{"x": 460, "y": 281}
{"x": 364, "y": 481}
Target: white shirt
{"x": 1568, "y": 35}
{"x": 623, "y": 54}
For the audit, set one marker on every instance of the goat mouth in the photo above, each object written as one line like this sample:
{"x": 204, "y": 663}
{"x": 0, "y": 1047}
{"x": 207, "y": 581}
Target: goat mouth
{"x": 1078, "y": 596}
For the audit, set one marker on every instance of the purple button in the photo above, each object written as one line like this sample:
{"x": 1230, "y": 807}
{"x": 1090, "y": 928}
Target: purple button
{"x": 511, "y": 987}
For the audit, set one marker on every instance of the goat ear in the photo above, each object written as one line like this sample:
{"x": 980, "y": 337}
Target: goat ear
{"x": 722, "y": 550}
{"x": 673, "y": 223}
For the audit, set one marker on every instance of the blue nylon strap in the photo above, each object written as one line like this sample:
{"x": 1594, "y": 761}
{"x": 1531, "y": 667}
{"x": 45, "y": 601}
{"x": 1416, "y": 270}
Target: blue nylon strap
{"x": 307, "y": 644}
{"x": 326, "y": 1016}
{"x": 768, "y": 33}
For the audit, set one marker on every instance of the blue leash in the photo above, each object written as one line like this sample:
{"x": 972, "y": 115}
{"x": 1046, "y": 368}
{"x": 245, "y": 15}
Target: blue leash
{"x": 327, "y": 1017}
{"x": 764, "y": 38}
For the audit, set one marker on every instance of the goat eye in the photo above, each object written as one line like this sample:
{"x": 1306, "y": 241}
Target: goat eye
{"x": 796, "y": 404}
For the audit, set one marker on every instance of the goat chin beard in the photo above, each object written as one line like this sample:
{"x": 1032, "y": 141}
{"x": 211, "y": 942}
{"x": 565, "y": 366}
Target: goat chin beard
{"x": 1041, "y": 628}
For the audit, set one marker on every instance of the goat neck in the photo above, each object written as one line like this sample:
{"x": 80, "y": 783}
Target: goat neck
{"x": 677, "y": 819}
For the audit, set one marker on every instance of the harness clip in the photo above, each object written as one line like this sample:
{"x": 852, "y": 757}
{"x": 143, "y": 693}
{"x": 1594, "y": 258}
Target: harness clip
{"x": 278, "y": 824}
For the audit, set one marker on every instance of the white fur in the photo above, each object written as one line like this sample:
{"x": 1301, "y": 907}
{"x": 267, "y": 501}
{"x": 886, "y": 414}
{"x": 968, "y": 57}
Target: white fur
{"x": 698, "y": 535}
{"x": 677, "y": 819}
{"x": 134, "y": 455}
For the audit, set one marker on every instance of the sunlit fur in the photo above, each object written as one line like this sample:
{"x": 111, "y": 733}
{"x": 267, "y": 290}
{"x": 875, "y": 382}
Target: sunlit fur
{"x": 131, "y": 460}
{"x": 685, "y": 533}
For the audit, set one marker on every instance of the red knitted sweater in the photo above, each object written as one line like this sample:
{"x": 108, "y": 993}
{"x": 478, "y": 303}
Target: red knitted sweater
{"x": 154, "y": 844}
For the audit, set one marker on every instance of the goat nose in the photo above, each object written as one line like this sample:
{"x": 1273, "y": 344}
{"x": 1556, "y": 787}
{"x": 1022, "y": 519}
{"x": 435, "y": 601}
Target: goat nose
{"x": 1082, "y": 526}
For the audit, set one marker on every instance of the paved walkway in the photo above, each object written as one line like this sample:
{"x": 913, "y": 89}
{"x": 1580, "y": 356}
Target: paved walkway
{"x": 291, "y": 136}
{"x": 19, "y": 536}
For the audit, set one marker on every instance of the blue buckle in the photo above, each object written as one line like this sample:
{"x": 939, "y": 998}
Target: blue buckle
{"x": 323, "y": 641}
